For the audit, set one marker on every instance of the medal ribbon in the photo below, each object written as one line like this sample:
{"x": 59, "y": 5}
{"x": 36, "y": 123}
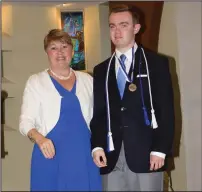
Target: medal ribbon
{"x": 146, "y": 119}
{"x": 129, "y": 79}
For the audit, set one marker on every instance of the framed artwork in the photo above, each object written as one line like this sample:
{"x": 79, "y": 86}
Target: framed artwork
{"x": 72, "y": 23}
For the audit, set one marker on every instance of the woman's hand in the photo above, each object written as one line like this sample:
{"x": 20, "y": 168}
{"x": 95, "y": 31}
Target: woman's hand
{"x": 47, "y": 148}
{"x": 46, "y": 145}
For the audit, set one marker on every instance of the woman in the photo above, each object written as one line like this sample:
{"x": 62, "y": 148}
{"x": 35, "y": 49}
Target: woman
{"x": 55, "y": 114}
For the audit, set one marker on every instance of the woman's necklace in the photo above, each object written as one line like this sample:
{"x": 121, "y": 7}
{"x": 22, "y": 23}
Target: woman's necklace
{"x": 62, "y": 77}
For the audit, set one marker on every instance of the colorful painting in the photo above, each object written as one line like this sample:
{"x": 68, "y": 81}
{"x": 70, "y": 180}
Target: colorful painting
{"x": 72, "y": 23}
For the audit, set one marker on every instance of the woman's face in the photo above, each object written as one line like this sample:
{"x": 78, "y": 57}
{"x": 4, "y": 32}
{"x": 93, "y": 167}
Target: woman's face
{"x": 59, "y": 54}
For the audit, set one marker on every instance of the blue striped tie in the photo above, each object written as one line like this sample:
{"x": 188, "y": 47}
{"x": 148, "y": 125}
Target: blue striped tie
{"x": 121, "y": 79}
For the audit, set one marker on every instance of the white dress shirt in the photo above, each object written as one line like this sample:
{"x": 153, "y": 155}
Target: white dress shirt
{"x": 128, "y": 63}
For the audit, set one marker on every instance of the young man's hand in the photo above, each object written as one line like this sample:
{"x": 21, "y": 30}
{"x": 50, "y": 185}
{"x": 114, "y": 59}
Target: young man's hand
{"x": 99, "y": 158}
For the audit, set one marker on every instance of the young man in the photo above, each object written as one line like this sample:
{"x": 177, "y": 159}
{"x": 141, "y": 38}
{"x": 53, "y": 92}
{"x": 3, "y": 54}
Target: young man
{"x": 133, "y": 120}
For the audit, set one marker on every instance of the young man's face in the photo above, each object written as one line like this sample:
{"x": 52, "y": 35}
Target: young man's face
{"x": 122, "y": 29}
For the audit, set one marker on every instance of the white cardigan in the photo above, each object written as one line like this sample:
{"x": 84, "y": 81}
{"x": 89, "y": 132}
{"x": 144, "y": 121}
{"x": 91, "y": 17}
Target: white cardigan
{"x": 41, "y": 102}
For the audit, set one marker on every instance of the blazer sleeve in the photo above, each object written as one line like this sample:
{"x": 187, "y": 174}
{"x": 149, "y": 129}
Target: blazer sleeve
{"x": 98, "y": 122}
{"x": 164, "y": 108}
{"x": 30, "y": 107}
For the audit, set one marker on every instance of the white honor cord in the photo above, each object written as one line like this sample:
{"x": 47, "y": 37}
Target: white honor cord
{"x": 111, "y": 144}
{"x": 154, "y": 122}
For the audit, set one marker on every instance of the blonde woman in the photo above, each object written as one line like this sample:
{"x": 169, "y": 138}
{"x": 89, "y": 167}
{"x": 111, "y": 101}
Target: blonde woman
{"x": 55, "y": 114}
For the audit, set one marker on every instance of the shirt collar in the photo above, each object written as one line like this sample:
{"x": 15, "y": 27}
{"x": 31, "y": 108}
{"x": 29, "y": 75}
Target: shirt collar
{"x": 127, "y": 53}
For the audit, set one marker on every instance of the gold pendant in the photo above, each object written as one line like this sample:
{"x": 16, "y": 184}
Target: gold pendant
{"x": 132, "y": 87}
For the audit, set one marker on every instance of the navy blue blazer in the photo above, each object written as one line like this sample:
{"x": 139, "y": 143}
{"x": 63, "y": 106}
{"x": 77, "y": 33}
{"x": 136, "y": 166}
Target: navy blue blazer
{"x": 127, "y": 116}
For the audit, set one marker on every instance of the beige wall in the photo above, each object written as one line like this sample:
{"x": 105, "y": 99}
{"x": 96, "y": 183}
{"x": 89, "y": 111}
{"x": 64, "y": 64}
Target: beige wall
{"x": 7, "y": 19}
{"x": 104, "y": 31}
{"x": 97, "y": 40}
{"x": 180, "y": 38}
{"x": 92, "y": 34}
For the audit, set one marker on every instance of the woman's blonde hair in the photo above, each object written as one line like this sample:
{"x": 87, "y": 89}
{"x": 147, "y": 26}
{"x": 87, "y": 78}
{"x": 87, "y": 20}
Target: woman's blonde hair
{"x": 57, "y": 35}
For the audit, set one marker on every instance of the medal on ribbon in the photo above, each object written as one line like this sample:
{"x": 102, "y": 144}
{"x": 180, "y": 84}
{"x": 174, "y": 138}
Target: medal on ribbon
{"x": 132, "y": 87}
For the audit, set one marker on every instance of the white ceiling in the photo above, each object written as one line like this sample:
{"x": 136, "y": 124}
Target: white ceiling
{"x": 79, "y": 5}
{"x": 64, "y": 5}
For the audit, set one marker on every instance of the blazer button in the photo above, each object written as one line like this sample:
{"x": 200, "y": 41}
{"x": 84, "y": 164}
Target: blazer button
{"x": 123, "y": 108}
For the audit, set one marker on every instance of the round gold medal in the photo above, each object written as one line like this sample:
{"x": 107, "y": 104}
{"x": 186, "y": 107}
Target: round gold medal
{"x": 132, "y": 87}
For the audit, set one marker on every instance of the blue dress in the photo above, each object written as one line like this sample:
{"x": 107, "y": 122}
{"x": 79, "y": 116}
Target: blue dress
{"x": 72, "y": 168}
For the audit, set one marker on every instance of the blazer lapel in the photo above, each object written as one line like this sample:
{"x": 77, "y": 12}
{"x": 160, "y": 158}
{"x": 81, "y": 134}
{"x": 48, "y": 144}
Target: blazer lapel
{"x": 139, "y": 67}
{"x": 114, "y": 96}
